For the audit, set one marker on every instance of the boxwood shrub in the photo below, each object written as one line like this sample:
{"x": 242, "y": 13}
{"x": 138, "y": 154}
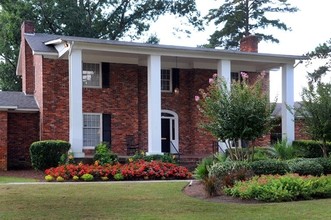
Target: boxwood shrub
{"x": 326, "y": 164}
{"x": 307, "y": 167}
{"x": 309, "y": 148}
{"x": 46, "y": 154}
{"x": 265, "y": 167}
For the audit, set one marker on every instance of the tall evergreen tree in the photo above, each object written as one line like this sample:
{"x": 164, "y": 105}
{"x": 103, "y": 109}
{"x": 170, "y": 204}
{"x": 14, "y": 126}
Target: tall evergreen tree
{"x": 239, "y": 18}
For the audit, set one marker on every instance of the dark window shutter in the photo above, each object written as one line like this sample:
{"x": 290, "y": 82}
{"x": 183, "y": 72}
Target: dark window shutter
{"x": 106, "y": 128}
{"x": 175, "y": 79}
{"x": 105, "y": 69}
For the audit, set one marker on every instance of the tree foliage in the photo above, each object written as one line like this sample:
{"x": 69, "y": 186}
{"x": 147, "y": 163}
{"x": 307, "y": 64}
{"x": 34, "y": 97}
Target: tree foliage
{"x": 242, "y": 113}
{"x": 316, "y": 98}
{"x": 239, "y": 18}
{"x": 105, "y": 19}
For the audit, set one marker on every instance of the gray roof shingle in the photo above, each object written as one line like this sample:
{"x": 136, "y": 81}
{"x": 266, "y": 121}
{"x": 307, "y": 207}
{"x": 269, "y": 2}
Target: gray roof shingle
{"x": 19, "y": 99}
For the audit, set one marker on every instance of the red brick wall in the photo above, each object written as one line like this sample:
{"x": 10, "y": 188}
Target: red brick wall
{"x": 300, "y": 133}
{"x": 120, "y": 100}
{"x": 54, "y": 108}
{"x": 23, "y": 130}
{"x": 125, "y": 100}
{"x": 3, "y": 140}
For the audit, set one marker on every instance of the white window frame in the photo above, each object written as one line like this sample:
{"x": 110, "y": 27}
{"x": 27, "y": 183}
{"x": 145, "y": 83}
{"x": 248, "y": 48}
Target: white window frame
{"x": 101, "y": 129}
{"x": 170, "y": 82}
{"x": 100, "y": 74}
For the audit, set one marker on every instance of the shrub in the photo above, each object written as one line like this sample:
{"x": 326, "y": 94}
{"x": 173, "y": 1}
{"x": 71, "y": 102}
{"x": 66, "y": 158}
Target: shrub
{"x": 210, "y": 185}
{"x": 264, "y": 167}
{"x": 261, "y": 153}
{"x": 45, "y": 154}
{"x": 309, "y": 148}
{"x": 282, "y": 150}
{"x": 166, "y": 158}
{"x": 118, "y": 176}
{"x": 282, "y": 188}
{"x": 228, "y": 172}
{"x": 87, "y": 177}
{"x": 307, "y": 167}
{"x": 201, "y": 171}
{"x": 49, "y": 178}
{"x": 104, "y": 155}
{"x": 59, "y": 179}
{"x": 326, "y": 164}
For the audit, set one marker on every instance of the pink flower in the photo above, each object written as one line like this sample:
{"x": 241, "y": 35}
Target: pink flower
{"x": 211, "y": 80}
{"x": 263, "y": 73}
{"x": 214, "y": 75}
{"x": 197, "y": 98}
{"x": 244, "y": 75}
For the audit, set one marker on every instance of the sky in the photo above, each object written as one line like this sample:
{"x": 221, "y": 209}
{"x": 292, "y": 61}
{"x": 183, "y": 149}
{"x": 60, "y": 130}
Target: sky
{"x": 310, "y": 27}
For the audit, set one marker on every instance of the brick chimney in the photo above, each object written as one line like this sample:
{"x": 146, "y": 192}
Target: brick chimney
{"x": 249, "y": 44}
{"x": 26, "y": 68}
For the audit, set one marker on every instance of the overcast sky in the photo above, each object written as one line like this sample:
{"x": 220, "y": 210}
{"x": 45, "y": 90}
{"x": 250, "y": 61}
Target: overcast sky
{"x": 310, "y": 27}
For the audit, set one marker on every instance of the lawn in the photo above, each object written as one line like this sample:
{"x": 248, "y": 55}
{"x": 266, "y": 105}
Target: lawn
{"x": 9, "y": 179}
{"x": 132, "y": 200}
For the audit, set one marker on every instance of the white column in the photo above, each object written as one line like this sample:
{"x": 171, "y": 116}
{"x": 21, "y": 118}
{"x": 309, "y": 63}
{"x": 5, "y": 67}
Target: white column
{"x": 76, "y": 103}
{"x": 154, "y": 104}
{"x": 224, "y": 70}
{"x": 287, "y": 100}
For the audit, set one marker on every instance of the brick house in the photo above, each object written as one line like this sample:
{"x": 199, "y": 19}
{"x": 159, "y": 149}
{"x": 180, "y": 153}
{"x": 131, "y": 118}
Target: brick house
{"x": 85, "y": 91}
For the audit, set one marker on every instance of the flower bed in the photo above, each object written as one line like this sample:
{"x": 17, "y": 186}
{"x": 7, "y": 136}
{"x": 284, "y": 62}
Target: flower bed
{"x": 136, "y": 170}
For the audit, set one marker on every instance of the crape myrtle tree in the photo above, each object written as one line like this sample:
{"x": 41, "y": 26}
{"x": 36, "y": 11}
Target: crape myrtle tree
{"x": 104, "y": 19}
{"x": 315, "y": 107}
{"x": 231, "y": 116}
{"x": 239, "y": 18}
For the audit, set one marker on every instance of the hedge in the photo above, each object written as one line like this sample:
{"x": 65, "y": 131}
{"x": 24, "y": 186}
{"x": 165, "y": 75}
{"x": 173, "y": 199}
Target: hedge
{"x": 46, "y": 154}
{"x": 309, "y": 148}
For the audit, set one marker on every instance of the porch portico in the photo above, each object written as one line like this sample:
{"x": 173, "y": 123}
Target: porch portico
{"x": 158, "y": 57}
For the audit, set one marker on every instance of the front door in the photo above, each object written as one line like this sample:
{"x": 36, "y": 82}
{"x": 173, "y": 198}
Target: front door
{"x": 169, "y": 132}
{"x": 165, "y": 135}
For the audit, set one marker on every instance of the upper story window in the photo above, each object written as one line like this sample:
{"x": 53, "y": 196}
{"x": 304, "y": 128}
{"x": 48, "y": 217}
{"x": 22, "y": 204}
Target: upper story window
{"x": 166, "y": 80}
{"x": 91, "y": 75}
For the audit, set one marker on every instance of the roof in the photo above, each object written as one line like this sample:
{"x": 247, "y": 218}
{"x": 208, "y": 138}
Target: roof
{"x": 17, "y": 101}
{"x": 44, "y": 44}
{"x": 278, "y": 109}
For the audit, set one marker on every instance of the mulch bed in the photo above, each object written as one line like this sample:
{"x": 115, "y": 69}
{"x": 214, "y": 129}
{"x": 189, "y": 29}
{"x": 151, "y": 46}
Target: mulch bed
{"x": 33, "y": 174}
{"x": 195, "y": 190}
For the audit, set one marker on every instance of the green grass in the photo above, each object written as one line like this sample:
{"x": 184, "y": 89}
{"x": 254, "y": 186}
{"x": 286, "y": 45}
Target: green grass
{"x": 129, "y": 200}
{"x": 9, "y": 179}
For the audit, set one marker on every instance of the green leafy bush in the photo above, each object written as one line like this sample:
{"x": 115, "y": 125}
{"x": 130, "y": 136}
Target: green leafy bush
{"x": 282, "y": 188}
{"x": 227, "y": 173}
{"x": 282, "y": 150}
{"x": 118, "y": 176}
{"x": 307, "y": 167}
{"x": 104, "y": 155}
{"x": 309, "y": 148}
{"x": 201, "y": 171}
{"x": 45, "y": 154}
{"x": 264, "y": 167}
{"x": 87, "y": 177}
{"x": 165, "y": 158}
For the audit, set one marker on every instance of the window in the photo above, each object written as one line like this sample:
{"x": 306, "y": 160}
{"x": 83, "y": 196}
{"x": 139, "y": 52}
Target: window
{"x": 91, "y": 130}
{"x": 91, "y": 75}
{"x": 166, "y": 80}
